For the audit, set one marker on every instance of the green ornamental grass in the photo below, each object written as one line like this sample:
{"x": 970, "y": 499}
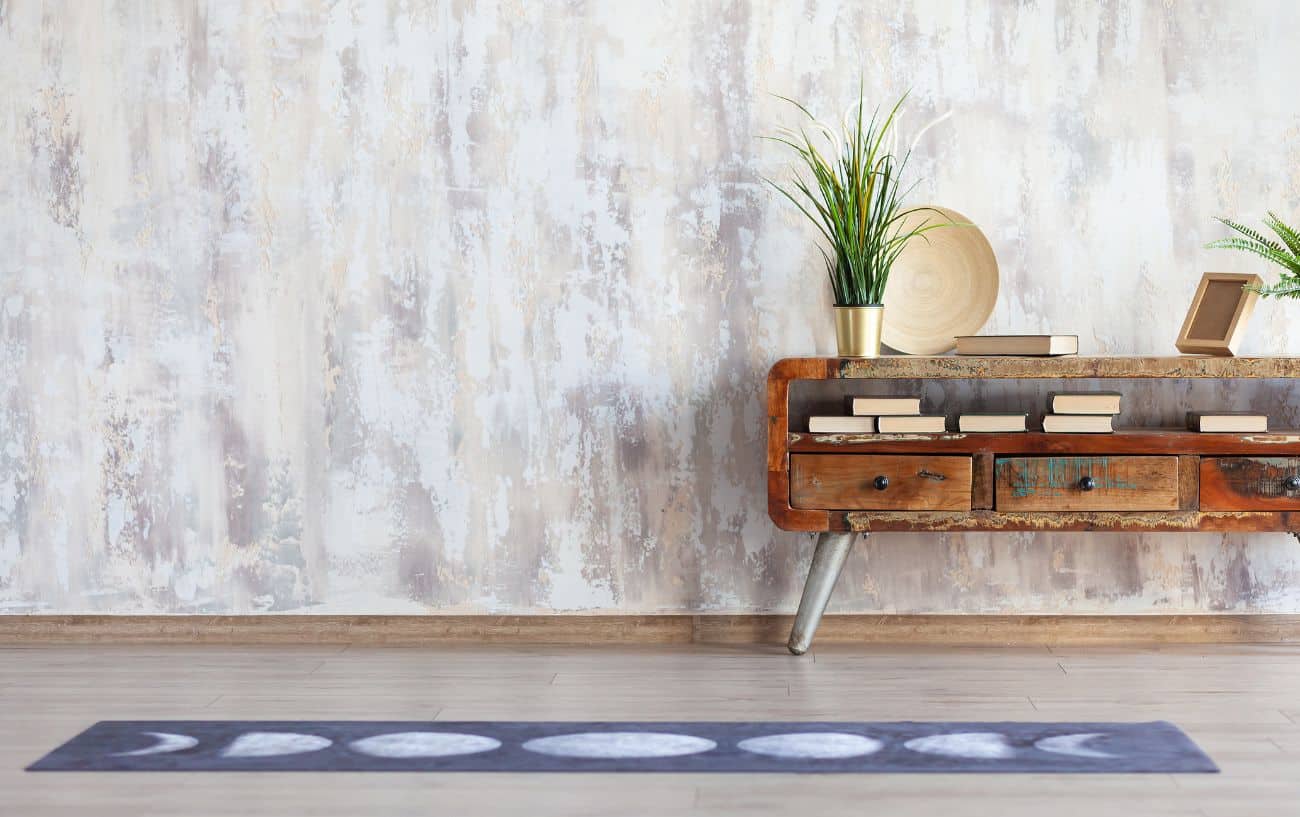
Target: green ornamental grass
{"x": 852, "y": 191}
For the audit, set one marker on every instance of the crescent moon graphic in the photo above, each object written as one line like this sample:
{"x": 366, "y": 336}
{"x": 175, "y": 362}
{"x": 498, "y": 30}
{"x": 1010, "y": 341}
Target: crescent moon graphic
{"x": 1072, "y": 745}
{"x": 970, "y": 745}
{"x": 271, "y": 744}
{"x": 167, "y": 742}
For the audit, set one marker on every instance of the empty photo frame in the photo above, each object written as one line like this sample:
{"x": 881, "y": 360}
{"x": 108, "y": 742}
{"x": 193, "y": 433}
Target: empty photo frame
{"x": 1217, "y": 318}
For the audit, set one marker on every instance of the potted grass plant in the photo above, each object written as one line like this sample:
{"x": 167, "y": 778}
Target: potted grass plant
{"x": 848, "y": 182}
{"x": 1285, "y": 253}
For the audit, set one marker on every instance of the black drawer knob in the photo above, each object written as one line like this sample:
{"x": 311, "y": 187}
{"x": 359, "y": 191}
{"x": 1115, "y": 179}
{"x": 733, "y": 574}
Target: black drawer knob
{"x": 881, "y": 482}
{"x": 1291, "y": 483}
{"x": 1087, "y": 484}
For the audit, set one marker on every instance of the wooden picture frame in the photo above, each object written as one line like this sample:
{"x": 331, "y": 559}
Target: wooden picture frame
{"x": 1216, "y": 320}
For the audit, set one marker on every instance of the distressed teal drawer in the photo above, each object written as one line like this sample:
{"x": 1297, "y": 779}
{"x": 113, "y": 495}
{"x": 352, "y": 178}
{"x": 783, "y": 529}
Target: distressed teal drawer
{"x": 1085, "y": 484}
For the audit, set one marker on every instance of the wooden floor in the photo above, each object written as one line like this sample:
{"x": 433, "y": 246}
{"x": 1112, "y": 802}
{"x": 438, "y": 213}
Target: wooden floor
{"x": 1241, "y": 703}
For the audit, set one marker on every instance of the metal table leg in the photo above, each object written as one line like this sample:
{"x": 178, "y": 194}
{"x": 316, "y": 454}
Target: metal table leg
{"x": 827, "y": 562}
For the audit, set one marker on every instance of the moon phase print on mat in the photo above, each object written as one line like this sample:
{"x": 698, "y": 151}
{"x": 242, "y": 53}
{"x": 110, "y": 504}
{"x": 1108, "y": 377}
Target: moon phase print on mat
{"x": 619, "y": 745}
{"x": 166, "y": 743}
{"x": 1072, "y": 745}
{"x": 966, "y": 745}
{"x": 424, "y": 744}
{"x": 812, "y": 745}
{"x": 273, "y": 744}
{"x": 740, "y": 747}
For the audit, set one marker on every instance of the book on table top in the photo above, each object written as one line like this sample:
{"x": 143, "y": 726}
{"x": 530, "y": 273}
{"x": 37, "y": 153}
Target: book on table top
{"x": 1084, "y": 402}
{"x": 992, "y": 422}
{"x": 1024, "y": 345}
{"x": 1077, "y": 423}
{"x": 884, "y": 406}
{"x": 841, "y": 425}
{"x": 912, "y": 424}
{"x": 1228, "y": 421}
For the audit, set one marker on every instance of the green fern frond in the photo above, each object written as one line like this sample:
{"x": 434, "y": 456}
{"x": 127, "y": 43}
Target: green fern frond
{"x": 1286, "y": 255}
{"x": 1286, "y": 288}
{"x": 1277, "y": 256}
{"x": 1251, "y": 234}
{"x": 1289, "y": 236}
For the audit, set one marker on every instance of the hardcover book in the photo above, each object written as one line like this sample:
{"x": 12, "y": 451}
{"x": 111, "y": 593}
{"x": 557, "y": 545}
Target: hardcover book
{"x": 1229, "y": 421}
{"x": 841, "y": 425}
{"x": 884, "y": 406}
{"x": 1025, "y": 345}
{"x": 1080, "y": 402}
{"x": 916, "y": 424}
{"x": 1077, "y": 423}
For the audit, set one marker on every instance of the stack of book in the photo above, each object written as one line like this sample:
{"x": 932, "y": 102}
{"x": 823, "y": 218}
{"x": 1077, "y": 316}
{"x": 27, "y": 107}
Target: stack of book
{"x": 1018, "y": 345}
{"x": 880, "y": 415}
{"x": 1081, "y": 412}
{"x": 1227, "y": 421}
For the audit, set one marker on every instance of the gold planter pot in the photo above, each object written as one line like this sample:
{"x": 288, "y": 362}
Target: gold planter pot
{"x": 857, "y": 330}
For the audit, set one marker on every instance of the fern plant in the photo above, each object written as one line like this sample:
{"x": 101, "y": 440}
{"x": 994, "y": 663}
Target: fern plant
{"x": 1285, "y": 253}
{"x": 852, "y": 191}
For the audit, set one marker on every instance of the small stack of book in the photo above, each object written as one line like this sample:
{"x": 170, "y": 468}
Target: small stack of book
{"x": 1081, "y": 412}
{"x": 881, "y": 415}
{"x": 1227, "y": 421}
{"x": 1018, "y": 345}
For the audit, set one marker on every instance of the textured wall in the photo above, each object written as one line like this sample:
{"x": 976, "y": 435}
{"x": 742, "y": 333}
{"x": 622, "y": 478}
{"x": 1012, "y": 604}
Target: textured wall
{"x": 390, "y": 307}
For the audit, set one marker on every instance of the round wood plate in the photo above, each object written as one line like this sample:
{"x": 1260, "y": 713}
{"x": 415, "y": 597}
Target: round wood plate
{"x": 940, "y": 288}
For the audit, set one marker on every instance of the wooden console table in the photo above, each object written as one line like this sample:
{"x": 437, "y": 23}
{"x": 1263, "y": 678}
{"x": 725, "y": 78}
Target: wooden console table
{"x": 1147, "y": 479}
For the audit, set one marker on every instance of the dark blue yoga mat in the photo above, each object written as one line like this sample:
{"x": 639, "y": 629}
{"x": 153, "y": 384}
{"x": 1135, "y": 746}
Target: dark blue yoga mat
{"x": 604, "y": 746}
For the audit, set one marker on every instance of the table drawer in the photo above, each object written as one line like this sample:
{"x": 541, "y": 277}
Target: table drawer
{"x": 1250, "y": 483}
{"x": 870, "y": 482}
{"x": 1085, "y": 484}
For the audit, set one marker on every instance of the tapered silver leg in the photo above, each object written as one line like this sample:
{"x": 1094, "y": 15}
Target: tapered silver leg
{"x": 827, "y": 562}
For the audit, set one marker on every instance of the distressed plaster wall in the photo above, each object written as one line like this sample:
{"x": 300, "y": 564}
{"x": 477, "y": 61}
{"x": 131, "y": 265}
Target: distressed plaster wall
{"x": 467, "y": 306}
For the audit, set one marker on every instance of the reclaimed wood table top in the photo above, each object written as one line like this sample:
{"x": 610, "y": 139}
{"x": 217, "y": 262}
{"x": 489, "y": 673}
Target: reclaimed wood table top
{"x": 1067, "y": 366}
